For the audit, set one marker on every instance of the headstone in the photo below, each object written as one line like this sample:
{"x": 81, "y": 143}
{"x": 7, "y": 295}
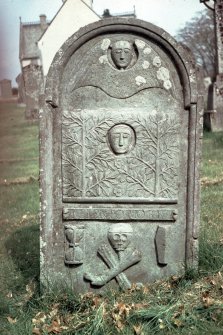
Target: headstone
{"x": 33, "y": 81}
{"x": 21, "y": 89}
{"x": 215, "y": 104}
{"x": 6, "y": 89}
{"x": 120, "y": 127}
{"x": 214, "y": 117}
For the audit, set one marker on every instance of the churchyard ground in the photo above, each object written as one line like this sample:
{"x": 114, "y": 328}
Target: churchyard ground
{"x": 192, "y": 304}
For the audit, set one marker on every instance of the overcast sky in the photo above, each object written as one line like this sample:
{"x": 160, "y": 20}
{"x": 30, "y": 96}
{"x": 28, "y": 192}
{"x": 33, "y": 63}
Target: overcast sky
{"x": 168, "y": 14}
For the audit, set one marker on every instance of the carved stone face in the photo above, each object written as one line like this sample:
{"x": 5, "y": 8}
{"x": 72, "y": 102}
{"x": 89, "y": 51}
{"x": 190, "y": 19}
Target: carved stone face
{"x": 120, "y": 236}
{"x": 121, "y": 138}
{"x": 122, "y": 54}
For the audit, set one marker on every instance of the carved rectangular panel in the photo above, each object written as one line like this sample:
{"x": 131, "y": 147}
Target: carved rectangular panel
{"x": 74, "y": 244}
{"x": 112, "y": 214}
{"x": 120, "y": 154}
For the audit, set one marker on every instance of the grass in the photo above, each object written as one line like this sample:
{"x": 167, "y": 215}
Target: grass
{"x": 14, "y": 204}
{"x": 212, "y": 155}
{"x": 19, "y": 141}
{"x": 15, "y": 169}
{"x": 211, "y": 230}
{"x": 192, "y": 304}
{"x": 19, "y": 255}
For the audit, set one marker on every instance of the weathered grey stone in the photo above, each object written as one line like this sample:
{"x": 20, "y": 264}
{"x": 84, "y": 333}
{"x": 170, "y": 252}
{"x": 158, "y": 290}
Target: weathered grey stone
{"x": 163, "y": 244}
{"x": 5, "y": 89}
{"x": 21, "y": 89}
{"x": 33, "y": 79}
{"x": 214, "y": 116}
{"x": 120, "y": 129}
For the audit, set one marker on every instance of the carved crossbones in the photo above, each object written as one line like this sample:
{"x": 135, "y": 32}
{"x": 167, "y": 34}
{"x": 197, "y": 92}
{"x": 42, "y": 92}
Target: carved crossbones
{"x": 120, "y": 238}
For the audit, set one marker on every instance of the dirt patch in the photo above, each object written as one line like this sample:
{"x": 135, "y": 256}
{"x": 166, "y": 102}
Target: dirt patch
{"x": 209, "y": 182}
{"x": 18, "y": 181}
{"x": 4, "y": 222}
{"x": 6, "y": 161}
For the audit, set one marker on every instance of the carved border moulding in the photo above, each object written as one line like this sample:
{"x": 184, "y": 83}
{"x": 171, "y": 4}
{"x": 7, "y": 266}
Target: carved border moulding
{"x": 121, "y": 200}
{"x": 111, "y": 214}
{"x": 74, "y": 239}
{"x": 120, "y": 156}
{"x": 162, "y": 244}
{"x": 118, "y": 256}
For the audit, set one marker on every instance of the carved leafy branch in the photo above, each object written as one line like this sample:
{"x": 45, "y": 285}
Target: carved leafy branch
{"x": 70, "y": 119}
{"x": 72, "y": 154}
{"x": 70, "y": 139}
{"x": 70, "y": 160}
{"x": 147, "y": 163}
{"x": 70, "y": 186}
{"x": 99, "y": 160}
{"x": 137, "y": 179}
{"x": 97, "y": 129}
{"x": 101, "y": 184}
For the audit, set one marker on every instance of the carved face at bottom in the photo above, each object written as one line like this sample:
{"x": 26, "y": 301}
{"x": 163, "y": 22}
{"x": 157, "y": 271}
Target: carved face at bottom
{"x": 121, "y": 138}
{"x": 120, "y": 236}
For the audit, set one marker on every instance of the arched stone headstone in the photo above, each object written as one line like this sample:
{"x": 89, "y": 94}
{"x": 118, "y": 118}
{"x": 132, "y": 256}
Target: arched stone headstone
{"x": 120, "y": 132}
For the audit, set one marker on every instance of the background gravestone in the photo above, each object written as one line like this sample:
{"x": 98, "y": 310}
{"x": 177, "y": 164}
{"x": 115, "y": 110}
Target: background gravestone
{"x": 5, "y": 89}
{"x": 120, "y": 129}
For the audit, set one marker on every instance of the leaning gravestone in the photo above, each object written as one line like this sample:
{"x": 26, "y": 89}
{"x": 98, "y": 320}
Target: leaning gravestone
{"x": 120, "y": 129}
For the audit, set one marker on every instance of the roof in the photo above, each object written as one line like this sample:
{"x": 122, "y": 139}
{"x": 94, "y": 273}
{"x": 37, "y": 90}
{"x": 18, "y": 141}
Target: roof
{"x": 30, "y": 33}
{"x": 129, "y": 14}
{"x": 59, "y": 10}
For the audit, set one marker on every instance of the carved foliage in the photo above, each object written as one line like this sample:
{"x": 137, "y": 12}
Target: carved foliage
{"x": 91, "y": 169}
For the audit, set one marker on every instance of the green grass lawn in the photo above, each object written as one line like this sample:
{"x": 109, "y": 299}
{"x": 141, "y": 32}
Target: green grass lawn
{"x": 192, "y": 304}
{"x": 19, "y": 204}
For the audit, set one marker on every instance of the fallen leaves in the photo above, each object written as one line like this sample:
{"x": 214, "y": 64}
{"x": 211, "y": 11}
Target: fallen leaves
{"x": 11, "y": 320}
{"x": 178, "y": 322}
{"x": 55, "y": 327}
{"x": 9, "y": 295}
{"x": 52, "y": 322}
{"x": 36, "y": 331}
{"x": 30, "y": 289}
{"x": 161, "y": 324}
{"x": 138, "y": 330}
{"x": 39, "y": 318}
{"x": 207, "y": 300}
{"x": 121, "y": 312}
{"x": 201, "y": 299}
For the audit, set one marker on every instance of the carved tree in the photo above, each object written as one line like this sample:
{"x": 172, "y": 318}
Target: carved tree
{"x": 90, "y": 169}
{"x": 72, "y": 155}
{"x": 159, "y": 137}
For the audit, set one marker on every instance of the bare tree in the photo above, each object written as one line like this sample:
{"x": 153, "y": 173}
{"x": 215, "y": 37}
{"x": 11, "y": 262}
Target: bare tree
{"x": 198, "y": 34}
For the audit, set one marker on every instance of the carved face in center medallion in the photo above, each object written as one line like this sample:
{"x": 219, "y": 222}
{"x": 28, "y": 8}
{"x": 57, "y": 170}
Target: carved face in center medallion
{"x": 121, "y": 138}
{"x": 122, "y": 54}
{"x": 120, "y": 236}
